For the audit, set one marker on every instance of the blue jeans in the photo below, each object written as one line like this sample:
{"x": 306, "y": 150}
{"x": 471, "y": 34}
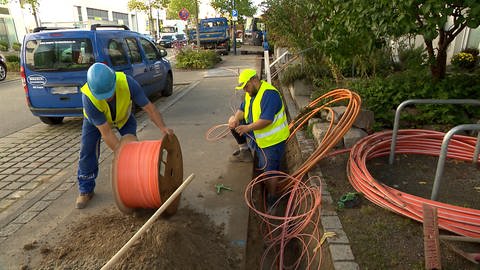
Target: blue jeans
{"x": 90, "y": 152}
{"x": 273, "y": 154}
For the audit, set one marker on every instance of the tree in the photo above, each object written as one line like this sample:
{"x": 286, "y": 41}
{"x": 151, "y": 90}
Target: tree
{"x": 176, "y": 5}
{"x": 32, "y": 3}
{"x": 355, "y": 28}
{"x": 437, "y": 22}
{"x": 244, "y": 7}
{"x": 147, "y": 6}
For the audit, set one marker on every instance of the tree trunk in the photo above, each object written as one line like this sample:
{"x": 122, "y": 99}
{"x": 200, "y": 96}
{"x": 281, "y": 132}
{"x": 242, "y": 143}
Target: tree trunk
{"x": 150, "y": 18}
{"x": 438, "y": 68}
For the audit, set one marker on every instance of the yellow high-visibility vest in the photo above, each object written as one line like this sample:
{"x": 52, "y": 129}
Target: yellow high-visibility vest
{"x": 278, "y": 130}
{"x": 123, "y": 102}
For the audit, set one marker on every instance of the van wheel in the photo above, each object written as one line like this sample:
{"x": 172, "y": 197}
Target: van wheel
{"x": 52, "y": 120}
{"x": 168, "y": 90}
{"x": 3, "y": 72}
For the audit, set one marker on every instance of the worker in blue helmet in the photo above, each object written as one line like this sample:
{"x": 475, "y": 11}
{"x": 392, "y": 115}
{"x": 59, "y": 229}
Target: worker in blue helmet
{"x": 107, "y": 99}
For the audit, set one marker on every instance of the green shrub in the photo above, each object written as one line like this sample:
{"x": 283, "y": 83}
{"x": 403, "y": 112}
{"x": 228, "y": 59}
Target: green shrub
{"x": 16, "y": 46}
{"x": 192, "y": 59}
{"x": 463, "y": 60}
{"x": 383, "y": 95}
{"x": 292, "y": 73}
{"x": 411, "y": 58}
{"x": 3, "y": 45}
{"x": 12, "y": 58}
{"x": 13, "y": 66}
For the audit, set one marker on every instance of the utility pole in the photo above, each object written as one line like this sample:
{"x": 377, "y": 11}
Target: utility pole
{"x": 234, "y": 33}
{"x": 196, "y": 25}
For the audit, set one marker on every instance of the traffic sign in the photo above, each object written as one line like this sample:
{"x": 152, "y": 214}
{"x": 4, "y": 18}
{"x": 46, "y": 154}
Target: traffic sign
{"x": 234, "y": 15}
{"x": 183, "y": 14}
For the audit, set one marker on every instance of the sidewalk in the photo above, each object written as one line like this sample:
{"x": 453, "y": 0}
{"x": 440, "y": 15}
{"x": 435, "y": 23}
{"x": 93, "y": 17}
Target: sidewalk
{"x": 47, "y": 208}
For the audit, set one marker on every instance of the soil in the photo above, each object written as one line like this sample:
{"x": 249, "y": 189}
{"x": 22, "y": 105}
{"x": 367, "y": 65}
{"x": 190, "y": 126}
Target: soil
{"x": 186, "y": 240}
{"x": 381, "y": 239}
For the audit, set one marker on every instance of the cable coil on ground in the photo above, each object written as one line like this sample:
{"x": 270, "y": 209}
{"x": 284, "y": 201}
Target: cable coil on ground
{"x": 459, "y": 220}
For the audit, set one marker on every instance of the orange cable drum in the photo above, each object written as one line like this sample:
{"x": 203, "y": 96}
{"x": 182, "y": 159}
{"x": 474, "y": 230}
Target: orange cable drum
{"x": 145, "y": 173}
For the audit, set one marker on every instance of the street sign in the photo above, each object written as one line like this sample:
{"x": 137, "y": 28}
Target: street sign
{"x": 183, "y": 14}
{"x": 234, "y": 15}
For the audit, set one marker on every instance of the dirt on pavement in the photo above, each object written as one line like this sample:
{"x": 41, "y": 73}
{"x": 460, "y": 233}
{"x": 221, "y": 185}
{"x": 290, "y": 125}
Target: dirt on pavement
{"x": 186, "y": 240}
{"x": 381, "y": 239}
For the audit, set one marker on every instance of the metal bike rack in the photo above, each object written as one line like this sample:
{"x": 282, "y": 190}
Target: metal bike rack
{"x": 446, "y": 139}
{"x": 443, "y": 154}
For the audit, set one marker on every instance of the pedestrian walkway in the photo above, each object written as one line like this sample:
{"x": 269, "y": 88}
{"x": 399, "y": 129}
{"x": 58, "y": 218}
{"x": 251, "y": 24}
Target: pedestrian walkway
{"x": 38, "y": 164}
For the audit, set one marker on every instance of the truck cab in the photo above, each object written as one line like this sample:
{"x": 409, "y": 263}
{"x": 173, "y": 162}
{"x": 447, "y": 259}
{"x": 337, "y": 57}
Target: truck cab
{"x": 213, "y": 34}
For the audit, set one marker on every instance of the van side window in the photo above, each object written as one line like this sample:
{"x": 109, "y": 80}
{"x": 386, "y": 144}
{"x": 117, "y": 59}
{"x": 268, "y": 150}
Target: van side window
{"x": 117, "y": 53}
{"x": 150, "y": 51}
{"x": 133, "y": 50}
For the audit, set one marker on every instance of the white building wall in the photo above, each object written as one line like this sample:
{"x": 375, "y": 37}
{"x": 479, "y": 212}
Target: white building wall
{"x": 64, "y": 14}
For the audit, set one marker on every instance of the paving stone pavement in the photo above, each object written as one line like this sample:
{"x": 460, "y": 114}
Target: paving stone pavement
{"x": 38, "y": 164}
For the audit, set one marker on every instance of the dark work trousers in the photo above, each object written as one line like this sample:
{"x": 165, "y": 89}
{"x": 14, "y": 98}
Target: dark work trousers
{"x": 90, "y": 152}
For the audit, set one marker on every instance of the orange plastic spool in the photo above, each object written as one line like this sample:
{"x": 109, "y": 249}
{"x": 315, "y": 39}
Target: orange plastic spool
{"x": 145, "y": 172}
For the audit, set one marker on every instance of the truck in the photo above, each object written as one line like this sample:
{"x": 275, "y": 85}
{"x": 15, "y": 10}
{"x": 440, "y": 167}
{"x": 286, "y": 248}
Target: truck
{"x": 213, "y": 35}
{"x": 253, "y": 35}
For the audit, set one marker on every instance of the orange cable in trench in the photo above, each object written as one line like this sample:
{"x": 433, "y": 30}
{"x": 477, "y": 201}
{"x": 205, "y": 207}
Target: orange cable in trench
{"x": 304, "y": 199}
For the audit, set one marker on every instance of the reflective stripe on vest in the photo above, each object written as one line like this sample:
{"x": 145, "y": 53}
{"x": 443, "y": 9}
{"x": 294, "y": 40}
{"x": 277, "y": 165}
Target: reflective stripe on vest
{"x": 123, "y": 102}
{"x": 278, "y": 130}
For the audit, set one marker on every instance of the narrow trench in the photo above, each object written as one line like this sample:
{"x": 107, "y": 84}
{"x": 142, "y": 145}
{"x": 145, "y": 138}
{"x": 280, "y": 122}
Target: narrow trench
{"x": 256, "y": 230}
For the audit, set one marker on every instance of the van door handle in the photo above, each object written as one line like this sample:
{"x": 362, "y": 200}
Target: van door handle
{"x": 145, "y": 70}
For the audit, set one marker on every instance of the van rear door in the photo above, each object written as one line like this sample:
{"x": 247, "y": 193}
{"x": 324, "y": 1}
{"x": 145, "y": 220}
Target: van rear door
{"x": 55, "y": 66}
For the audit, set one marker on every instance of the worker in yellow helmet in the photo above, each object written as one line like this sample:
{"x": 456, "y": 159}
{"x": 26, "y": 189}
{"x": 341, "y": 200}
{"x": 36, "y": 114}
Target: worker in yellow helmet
{"x": 262, "y": 116}
{"x": 107, "y": 104}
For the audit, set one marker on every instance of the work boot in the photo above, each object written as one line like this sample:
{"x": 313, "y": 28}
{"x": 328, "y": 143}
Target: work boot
{"x": 241, "y": 156}
{"x": 83, "y": 199}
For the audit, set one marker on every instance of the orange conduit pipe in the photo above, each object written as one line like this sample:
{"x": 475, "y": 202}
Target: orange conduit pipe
{"x": 334, "y": 133}
{"x": 459, "y": 220}
{"x": 303, "y": 202}
{"x": 303, "y": 199}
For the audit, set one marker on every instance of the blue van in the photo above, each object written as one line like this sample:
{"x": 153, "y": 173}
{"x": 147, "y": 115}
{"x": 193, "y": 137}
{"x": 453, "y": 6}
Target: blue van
{"x": 54, "y": 64}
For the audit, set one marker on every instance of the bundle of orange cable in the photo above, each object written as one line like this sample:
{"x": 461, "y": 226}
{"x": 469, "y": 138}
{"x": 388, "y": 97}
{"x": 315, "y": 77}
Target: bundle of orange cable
{"x": 304, "y": 195}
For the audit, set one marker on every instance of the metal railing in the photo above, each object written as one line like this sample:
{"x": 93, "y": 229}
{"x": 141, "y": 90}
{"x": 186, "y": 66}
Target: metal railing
{"x": 446, "y": 138}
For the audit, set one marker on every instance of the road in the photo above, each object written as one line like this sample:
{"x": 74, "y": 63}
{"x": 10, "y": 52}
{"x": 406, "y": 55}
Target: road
{"x": 14, "y": 112}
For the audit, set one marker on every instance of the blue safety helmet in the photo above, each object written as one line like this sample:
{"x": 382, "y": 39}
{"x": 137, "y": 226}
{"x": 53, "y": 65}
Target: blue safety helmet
{"x": 101, "y": 81}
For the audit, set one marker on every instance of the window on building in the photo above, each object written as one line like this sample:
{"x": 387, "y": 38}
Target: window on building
{"x": 97, "y": 14}
{"x": 79, "y": 12}
{"x": 4, "y": 11}
{"x": 120, "y": 18}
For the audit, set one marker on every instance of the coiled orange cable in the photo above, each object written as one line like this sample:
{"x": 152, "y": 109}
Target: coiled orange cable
{"x": 303, "y": 205}
{"x": 459, "y": 220}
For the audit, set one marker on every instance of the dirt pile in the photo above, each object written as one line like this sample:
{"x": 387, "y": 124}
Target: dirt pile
{"x": 187, "y": 240}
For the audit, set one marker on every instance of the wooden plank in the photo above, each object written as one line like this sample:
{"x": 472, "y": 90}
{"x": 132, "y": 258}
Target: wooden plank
{"x": 431, "y": 240}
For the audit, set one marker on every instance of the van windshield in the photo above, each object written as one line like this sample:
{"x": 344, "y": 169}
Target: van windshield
{"x": 59, "y": 54}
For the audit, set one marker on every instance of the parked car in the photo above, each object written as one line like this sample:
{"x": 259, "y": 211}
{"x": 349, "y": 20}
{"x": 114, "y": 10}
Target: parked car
{"x": 166, "y": 41}
{"x": 179, "y": 41}
{"x": 54, "y": 64}
{"x": 3, "y": 68}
